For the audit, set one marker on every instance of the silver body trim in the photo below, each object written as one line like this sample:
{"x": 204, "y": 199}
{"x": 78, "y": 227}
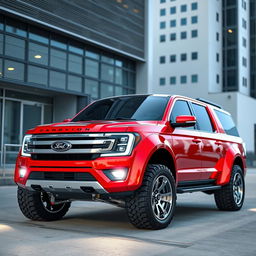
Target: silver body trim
{"x": 65, "y": 186}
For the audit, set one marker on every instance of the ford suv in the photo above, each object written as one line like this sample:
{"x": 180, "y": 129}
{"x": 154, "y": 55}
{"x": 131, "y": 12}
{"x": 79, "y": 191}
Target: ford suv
{"x": 135, "y": 151}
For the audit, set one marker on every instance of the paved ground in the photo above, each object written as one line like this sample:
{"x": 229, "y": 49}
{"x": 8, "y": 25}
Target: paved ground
{"x": 198, "y": 229}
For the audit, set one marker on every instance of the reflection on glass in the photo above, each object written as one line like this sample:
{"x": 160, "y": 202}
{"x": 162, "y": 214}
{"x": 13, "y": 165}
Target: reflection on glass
{"x": 76, "y": 48}
{"x": 106, "y": 90}
{"x": 38, "y": 53}
{"x": 75, "y": 83}
{"x": 92, "y": 88}
{"x": 57, "y": 80}
{"x": 75, "y": 64}
{"x": 107, "y": 73}
{"x": 91, "y": 68}
{"x": 17, "y": 28}
{"x": 1, "y": 68}
{"x": 58, "y": 59}
{"x": 15, "y": 47}
{"x": 1, "y": 43}
{"x": 38, "y": 35}
{"x": 14, "y": 70}
{"x": 59, "y": 42}
{"x": 107, "y": 59}
{"x": 37, "y": 75}
{"x": 92, "y": 55}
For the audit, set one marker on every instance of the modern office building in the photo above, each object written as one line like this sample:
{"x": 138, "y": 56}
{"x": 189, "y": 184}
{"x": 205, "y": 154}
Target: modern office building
{"x": 202, "y": 48}
{"x": 56, "y": 56}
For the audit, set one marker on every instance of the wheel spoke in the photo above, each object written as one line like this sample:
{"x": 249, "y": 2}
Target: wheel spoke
{"x": 164, "y": 182}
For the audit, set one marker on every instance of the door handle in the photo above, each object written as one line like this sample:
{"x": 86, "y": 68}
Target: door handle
{"x": 196, "y": 141}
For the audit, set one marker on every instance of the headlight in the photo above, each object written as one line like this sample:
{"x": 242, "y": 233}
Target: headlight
{"x": 124, "y": 143}
{"x": 25, "y": 151}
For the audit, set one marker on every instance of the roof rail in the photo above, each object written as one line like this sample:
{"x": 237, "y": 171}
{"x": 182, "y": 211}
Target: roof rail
{"x": 209, "y": 102}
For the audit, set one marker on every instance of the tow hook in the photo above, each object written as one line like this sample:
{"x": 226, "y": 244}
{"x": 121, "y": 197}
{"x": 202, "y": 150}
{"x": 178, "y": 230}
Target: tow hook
{"x": 54, "y": 202}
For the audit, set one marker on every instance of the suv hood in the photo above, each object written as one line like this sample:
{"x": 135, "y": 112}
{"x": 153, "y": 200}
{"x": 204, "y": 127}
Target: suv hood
{"x": 99, "y": 126}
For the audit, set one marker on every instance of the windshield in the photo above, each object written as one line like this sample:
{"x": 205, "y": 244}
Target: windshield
{"x": 143, "y": 108}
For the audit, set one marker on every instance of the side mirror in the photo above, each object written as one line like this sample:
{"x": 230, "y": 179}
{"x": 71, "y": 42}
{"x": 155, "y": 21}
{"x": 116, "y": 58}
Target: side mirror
{"x": 67, "y": 120}
{"x": 184, "y": 121}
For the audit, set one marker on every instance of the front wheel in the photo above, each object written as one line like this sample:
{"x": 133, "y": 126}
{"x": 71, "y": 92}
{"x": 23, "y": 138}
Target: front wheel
{"x": 36, "y": 205}
{"x": 152, "y": 206}
{"x": 231, "y": 196}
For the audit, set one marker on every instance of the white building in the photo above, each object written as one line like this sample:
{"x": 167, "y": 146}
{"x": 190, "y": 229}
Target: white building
{"x": 201, "y": 48}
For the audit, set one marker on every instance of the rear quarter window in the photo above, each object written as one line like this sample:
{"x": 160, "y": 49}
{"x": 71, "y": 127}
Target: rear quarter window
{"x": 227, "y": 123}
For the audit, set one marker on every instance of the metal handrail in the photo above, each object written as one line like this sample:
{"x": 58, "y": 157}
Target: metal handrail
{"x": 4, "y": 155}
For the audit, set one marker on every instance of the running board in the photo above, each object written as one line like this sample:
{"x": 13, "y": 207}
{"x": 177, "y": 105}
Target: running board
{"x": 191, "y": 189}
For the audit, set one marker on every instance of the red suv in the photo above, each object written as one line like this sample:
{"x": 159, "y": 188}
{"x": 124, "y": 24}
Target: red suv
{"x": 136, "y": 152}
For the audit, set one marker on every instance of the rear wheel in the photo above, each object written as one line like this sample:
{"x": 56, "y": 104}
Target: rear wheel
{"x": 231, "y": 196}
{"x": 36, "y": 205}
{"x": 152, "y": 206}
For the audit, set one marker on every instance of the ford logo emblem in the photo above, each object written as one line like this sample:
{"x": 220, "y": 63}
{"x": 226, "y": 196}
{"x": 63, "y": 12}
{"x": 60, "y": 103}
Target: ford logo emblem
{"x": 61, "y": 146}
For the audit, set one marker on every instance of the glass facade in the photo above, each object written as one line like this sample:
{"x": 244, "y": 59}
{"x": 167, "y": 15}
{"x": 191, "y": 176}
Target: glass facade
{"x": 33, "y": 56}
{"x": 253, "y": 47}
{"x": 230, "y": 44}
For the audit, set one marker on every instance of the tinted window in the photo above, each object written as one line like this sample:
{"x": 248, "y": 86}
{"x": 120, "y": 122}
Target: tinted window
{"x": 180, "y": 108}
{"x": 227, "y": 123}
{"x": 138, "y": 108}
{"x": 202, "y": 118}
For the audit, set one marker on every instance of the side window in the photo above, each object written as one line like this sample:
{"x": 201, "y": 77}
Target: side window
{"x": 180, "y": 108}
{"x": 227, "y": 123}
{"x": 202, "y": 117}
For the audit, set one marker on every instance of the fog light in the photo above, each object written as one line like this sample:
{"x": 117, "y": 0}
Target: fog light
{"x": 116, "y": 174}
{"x": 22, "y": 172}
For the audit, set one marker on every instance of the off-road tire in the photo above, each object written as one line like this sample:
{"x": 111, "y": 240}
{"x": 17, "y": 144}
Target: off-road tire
{"x": 139, "y": 206}
{"x": 32, "y": 207}
{"x": 224, "y": 197}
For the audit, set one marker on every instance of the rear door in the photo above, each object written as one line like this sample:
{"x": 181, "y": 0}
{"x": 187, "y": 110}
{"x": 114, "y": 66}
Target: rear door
{"x": 185, "y": 145}
{"x": 211, "y": 147}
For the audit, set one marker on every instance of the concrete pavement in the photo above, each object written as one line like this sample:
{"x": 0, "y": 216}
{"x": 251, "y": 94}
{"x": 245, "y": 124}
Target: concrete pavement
{"x": 198, "y": 228}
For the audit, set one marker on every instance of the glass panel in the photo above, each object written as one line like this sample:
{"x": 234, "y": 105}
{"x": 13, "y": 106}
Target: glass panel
{"x": 75, "y": 83}
{"x": 119, "y": 90}
{"x": 1, "y": 43}
{"x": 48, "y": 114}
{"x": 107, "y": 73}
{"x": 15, "y": 47}
{"x": 92, "y": 88}
{"x": 38, "y": 53}
{"x": 14, "y": 70}
{"x": 31, "y": 116}
{"x": 119, "y": 78}
{"x": 59, "y": 42}
{"x": 11, "y": 129}
{"x": 57, "y": 80}
{"x": 39, "y": 35}
{"x": 76, "y": 48}
{"x": 1, "y": 109}
{"x": 16, "y": 27}
{"x": 1, "y": 22}
{"x": 119, "y": 63}
{"x": 107, "y": 59}
{"x": 37, "y": 75}
{"x": 91, "y": 68}
{"x": 58, "y": 59}
{"x": 75, "y": 64}
{"x": 1, "y": 68}
{"x": 106, "y": 90}
{"x": 92, "y": 55}
{"x": 132, "y": 80}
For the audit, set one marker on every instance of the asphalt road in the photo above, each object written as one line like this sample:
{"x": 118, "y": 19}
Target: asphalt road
{"x": 198, "y": 228}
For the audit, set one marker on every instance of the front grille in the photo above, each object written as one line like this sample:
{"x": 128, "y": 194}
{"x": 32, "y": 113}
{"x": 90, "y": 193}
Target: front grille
{"x": 64, "y": 157}
{"x": 69, "y": 176}
{"x": 69, "y": 147}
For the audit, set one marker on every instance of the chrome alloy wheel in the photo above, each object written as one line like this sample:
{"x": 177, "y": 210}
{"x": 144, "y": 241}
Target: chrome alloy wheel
{"x": 162, "y": 197}
{"x": 238, "y": 188}
{"x": 48, "y": 206}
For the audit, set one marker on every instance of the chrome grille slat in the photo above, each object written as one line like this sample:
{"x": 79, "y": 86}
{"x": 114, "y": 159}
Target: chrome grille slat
{"x": 94, "y": 143}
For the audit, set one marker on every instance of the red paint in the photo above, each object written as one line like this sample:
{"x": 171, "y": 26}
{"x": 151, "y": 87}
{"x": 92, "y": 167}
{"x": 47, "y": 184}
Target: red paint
{"x": 196, "y": 154}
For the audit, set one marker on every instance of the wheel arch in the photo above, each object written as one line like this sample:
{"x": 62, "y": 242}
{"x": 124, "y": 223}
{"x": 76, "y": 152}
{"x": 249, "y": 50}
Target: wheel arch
{"x": 163, "y": 156}
{"x": 239, "y": 161}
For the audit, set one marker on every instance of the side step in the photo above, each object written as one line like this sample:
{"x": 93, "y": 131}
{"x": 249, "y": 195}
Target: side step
{"x": 191, "y": 189}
